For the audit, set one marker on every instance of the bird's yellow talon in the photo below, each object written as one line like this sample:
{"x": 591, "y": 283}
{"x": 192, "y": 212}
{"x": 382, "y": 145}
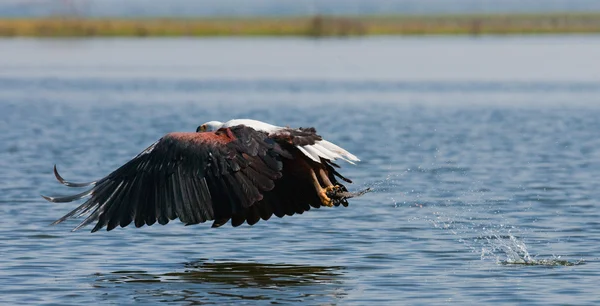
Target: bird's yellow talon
{"x": 332, "y": 190}
{"x": 325, "y": 200}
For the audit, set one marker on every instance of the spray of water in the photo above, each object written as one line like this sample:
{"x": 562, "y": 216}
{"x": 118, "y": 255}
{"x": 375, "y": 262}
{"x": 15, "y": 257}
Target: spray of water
{"x": 480, "y": 228}
{"x": 505, "y": 244}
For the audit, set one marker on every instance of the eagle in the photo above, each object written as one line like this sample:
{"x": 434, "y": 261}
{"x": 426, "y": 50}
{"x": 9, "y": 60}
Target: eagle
{"x": 242, "y": 170}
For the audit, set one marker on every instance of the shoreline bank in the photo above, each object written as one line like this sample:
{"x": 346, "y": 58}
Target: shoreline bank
{"x": 312, "y": 26}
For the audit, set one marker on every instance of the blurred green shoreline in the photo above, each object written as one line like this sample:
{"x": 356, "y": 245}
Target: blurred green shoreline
{"x": 313, "y": 26}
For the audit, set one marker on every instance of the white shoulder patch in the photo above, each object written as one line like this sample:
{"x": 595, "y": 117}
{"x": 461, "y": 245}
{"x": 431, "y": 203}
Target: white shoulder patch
{"x": 255, "y": 124}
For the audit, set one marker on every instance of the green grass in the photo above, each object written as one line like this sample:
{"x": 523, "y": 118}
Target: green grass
{"x": 316, "y": 26}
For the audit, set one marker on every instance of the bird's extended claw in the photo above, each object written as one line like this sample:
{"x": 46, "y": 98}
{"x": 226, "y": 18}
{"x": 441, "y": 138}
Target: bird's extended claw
{"x": 325, "y": 199}
{"x": 332, "y": 191}
{"x": 338, "y": 194}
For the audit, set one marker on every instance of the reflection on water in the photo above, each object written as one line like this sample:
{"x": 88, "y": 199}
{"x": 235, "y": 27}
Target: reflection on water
{"x": 224, "y": 281}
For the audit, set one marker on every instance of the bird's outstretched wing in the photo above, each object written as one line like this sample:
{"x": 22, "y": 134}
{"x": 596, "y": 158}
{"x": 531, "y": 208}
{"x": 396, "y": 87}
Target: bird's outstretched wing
{"x": 191, "y": 176}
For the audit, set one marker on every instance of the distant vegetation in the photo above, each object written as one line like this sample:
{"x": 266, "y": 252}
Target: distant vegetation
{"x": 317, "y": 26}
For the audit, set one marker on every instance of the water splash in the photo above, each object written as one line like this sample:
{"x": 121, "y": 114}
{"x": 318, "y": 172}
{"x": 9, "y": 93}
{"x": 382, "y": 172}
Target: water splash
{"x": 498, "y": 243}
{"x": 389, "y": 185}
{"x": 483, "y": 229}
{"x": 516, "y": 253}
{"x": 513, "y": 248}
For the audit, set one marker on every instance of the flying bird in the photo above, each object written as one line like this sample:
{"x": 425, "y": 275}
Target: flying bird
{"x": 242, "y": 170}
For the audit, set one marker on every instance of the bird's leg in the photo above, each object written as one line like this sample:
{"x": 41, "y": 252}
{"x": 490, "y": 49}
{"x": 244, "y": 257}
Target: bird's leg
{"x": 330, "y": 189}
{"x": 325, "y": 200}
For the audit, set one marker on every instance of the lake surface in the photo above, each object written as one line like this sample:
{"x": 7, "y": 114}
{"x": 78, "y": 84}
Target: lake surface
{"x": 483, "y": 154}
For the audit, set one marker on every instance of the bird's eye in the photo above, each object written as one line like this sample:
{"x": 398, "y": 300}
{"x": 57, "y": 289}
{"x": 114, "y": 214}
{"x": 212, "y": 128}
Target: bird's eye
{"x": 201, "y": 128}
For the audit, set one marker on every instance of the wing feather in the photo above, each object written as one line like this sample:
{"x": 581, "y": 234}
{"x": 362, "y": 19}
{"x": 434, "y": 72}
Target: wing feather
{"x": 191, "y": 176}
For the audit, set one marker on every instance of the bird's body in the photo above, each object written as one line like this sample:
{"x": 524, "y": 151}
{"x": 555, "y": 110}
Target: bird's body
{"x": 242, "y": 170}
{"x": 319, "y": 149}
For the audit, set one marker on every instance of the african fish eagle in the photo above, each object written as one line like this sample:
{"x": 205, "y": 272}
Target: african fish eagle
{"x": 242, "y": 170}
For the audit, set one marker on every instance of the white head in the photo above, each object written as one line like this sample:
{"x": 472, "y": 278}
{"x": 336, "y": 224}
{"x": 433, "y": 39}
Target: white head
{"x": 210, "y": 126}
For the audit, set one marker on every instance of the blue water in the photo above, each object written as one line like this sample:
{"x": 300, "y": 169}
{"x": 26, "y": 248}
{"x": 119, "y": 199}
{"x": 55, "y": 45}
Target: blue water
{"x": 483, "y": 154}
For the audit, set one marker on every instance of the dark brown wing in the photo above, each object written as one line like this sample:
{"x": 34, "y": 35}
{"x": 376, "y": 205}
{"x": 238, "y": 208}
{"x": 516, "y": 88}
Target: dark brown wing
{"x": 297, "y": 137}
{"x": 191, "y": 176}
